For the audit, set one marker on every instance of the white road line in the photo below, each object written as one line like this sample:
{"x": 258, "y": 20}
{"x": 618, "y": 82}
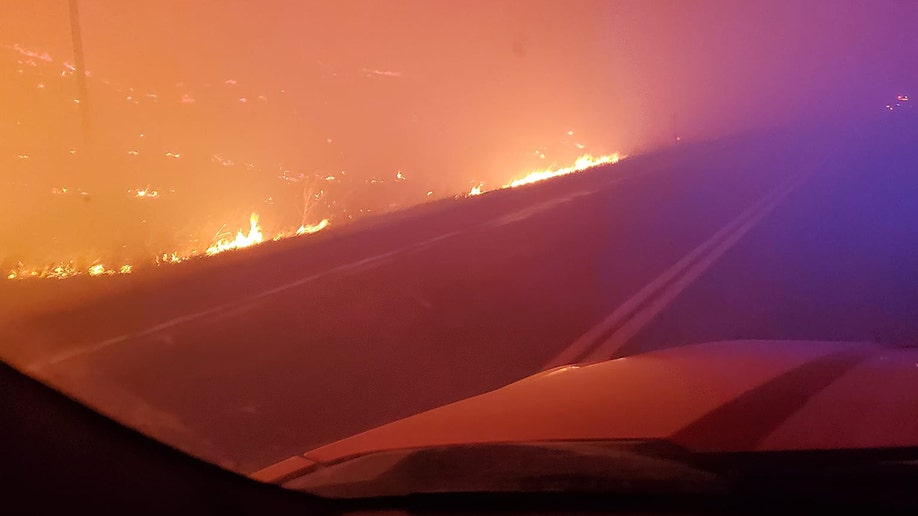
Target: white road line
{"x": 237, "y": 304}
{"x": 607, "y": 337}
{"x": 536, "y": 209}
{"x": 621, "y": 337}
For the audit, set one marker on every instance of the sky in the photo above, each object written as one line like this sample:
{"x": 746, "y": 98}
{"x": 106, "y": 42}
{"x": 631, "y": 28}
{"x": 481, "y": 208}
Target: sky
{"x": 263, "y": 100}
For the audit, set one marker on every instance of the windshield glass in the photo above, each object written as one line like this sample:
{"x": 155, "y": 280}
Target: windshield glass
{"x": 253, "y": 229}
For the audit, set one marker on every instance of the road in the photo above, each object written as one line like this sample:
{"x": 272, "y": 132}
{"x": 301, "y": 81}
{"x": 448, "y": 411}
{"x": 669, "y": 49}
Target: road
{"x": 254, "y": 356}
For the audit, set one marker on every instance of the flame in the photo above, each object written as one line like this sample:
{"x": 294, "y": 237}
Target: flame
{"x": 144, "y": 193}
{"x": 308, "y": 229}
{"x": 67, "y": 269}
{"x": 98, "y": 269}
{"x": 63, "y": 270}
{"x": 243, "y": 238}
{"x": 255, "y": 235}
{"x": 582, "y": 163}
{"x": 241, "y": 241}
{"x": 171, "y": 258}
{"x": 57, "y": 271}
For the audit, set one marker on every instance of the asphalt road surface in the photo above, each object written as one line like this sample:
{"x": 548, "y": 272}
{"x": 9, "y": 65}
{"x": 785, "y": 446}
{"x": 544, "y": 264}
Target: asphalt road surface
{"x": 254, "y": 356}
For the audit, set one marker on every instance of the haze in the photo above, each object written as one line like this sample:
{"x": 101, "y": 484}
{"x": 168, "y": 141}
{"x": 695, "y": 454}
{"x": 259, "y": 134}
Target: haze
{"x": 229, "y": 107}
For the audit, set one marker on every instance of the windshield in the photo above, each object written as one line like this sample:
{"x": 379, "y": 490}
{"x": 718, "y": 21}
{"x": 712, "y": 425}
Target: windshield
{"x": 251, "y": 230}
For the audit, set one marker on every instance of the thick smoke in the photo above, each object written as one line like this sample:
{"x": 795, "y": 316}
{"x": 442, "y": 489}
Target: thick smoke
{"x": 308, "y": 110}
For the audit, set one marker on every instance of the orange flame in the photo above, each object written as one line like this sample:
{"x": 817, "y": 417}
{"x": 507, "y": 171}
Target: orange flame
{"x": 99, "y": 269}
{"x": 308, "y": 229}
{"x": 476, "y": 190}
{"x": 254, "y": 237}
{"x": 171, "y": 258}
{"x": 582, "y": 163}
{"x": 228, "y": 241}
{"x": 63, "y": 270}
{"x": 144, "y": 193}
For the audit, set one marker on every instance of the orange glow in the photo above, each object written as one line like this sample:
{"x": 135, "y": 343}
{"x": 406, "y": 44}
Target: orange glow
{"x": 138, "y": 154}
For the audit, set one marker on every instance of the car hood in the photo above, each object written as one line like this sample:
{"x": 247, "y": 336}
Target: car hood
{"x": 735, "y": 396}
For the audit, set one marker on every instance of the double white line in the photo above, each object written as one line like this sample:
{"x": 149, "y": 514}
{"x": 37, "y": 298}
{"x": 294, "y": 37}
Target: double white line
{"x": 606, "y": 338}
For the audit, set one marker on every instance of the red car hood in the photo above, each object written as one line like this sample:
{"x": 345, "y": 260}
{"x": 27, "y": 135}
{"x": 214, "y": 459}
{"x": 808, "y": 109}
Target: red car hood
{"x": 714, "y": 397}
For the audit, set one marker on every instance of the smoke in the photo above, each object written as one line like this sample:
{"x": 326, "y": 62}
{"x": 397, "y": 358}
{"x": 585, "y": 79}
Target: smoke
{"x": 301, "y": 111}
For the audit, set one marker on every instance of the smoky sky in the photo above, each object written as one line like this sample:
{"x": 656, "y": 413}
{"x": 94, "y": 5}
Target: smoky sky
{"x": 449, "y": 93}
